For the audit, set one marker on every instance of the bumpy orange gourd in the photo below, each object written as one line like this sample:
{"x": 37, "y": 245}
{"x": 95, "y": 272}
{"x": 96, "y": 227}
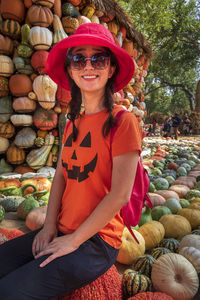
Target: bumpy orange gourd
{"x": 151, "y": 296}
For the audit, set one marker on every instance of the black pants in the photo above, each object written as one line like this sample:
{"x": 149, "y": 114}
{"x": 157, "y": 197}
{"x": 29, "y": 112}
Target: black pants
{"x": 21, "y": 278}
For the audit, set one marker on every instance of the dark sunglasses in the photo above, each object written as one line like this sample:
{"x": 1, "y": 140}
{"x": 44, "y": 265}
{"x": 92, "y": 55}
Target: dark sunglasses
{"x": 98, "y": 61}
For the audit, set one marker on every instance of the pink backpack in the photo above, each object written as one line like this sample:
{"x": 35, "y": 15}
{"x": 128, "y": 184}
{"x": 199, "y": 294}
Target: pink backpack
{"x": 131, "y": 212}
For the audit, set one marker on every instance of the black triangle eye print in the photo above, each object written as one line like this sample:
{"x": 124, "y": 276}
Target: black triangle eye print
{"x": 68, "y": 142}
{"x": 76, "y": 172}
{"x": 74, "y": 155}
{"x": 86, "y": 142}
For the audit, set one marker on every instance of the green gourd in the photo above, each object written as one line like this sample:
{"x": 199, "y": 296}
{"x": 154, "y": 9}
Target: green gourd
{"x": 2, "y": 213}
{"x": 11, "y": 203}
{"x": 25, "y": 207}
{"x": 158, "y": 211}
{"x": 69, "y": 10}
{"x": 173, "y": 204}
{"x": 146, "y": 216}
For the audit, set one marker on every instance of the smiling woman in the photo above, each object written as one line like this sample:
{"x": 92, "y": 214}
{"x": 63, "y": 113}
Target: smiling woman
{"x": 82, "y": 232}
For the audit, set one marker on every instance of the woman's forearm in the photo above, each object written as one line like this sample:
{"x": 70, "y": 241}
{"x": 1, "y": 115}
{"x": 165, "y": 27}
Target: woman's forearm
{"x": 57, "y": 190}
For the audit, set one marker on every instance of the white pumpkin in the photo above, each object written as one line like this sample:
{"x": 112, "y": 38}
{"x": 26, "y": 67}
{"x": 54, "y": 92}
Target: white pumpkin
{"x": 21, "y": 120}
{"x": 45, "y": 90}
{"x": 6, "y": 66}
{"x": 25, "y": 138}
{"x": 174, "y": 275}
{"x": 24, "y": 105}
{"x": 40, "y": 38}
{"x": 190, "y": 240}
{"x": 193, "y": 255}
{"x": 4, "y": 144}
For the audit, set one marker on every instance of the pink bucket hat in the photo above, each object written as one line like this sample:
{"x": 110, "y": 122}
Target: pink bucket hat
{"x": 89, "y": 34}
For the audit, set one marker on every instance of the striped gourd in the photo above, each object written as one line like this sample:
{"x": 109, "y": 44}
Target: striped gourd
{"x": 11, "y": 27}
{"x": 171, "y": 244}
{"x": 144, "y": 264}
{"x": 133, "y": 283}
{"x": 7, "y": 130}
{"x": 196, "y": 231}
{"x": 157, "y": 252}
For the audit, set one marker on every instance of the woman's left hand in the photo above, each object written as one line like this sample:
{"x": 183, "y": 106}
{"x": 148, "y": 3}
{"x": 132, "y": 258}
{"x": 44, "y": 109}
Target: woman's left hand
{"x": 59, "y": 246}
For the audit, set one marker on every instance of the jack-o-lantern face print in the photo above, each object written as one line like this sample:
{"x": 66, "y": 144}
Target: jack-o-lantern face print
{"x": 77, "y": 171}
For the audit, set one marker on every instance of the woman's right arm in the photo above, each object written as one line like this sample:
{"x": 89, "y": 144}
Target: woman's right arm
{"x": 49, "y": 230}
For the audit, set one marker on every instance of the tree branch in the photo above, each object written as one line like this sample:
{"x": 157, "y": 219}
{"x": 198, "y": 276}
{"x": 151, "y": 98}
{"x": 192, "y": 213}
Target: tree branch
{"x": 193, "y": 42}
{"x": 190, "y": 95}
{"x": 151, "y": 91}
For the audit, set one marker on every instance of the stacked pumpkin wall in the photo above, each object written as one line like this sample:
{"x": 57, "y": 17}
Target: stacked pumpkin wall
{"x": 32, "y": 106}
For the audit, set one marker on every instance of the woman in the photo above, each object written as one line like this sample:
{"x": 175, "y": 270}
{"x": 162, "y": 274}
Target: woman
{"x": 82, "y": 232}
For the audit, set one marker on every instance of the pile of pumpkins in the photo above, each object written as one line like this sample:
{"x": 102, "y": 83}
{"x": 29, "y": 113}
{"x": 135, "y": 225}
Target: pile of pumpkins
{"x": 167, "y": 258}
{"x": 32, "y": 106}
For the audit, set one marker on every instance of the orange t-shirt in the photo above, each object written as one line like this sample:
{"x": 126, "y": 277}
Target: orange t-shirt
{"x": 87, "y": 169}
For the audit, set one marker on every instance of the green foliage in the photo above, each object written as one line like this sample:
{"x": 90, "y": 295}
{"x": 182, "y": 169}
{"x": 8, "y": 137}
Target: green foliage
{"x": 173, "y": 30}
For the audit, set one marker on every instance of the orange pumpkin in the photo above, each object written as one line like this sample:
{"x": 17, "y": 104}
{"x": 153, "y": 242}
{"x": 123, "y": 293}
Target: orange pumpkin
{"x": 20, "y": 85}
{"x": 10, "y": 182}
{"x": 40, "y": 16}
{"x": 70, "y": 24}
{"x": 7, "y": 130}
{"x": 15, "y": 155}
{"x": 6, "y": 45}
{"x": 23, "y": 169}
{"x": 14, "y": 10}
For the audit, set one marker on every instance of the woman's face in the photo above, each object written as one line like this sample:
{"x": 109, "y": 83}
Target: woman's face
{"x": 88, "y": 78}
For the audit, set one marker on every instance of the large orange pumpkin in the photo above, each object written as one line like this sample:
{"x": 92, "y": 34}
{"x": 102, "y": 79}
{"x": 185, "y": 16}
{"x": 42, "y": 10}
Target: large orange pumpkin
{"x": 14, "y": 10}
{"x": 40, "y": 16}
{"x": 20, "y": 85}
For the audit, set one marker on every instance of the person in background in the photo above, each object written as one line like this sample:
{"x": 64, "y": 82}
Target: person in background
{"x": 154, "y": 123}
{"x": 176, "y": 120}
{"x": 83, "y": 229}
{"x": 186, "y": 125}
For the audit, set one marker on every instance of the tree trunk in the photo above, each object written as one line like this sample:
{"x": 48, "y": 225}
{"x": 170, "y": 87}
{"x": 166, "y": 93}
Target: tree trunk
{"x": 197, "y": 108}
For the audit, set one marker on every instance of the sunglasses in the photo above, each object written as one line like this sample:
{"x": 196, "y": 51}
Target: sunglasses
{"x": 98, "y": 61}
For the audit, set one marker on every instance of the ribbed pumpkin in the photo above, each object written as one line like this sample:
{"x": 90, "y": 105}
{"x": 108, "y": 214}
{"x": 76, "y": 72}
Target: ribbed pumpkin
{"x": 193, "y": 255}
{"x": 191, "y": 240}
{"x": 63, "y": 96}
{"x": 153, "y": 232}
{"x": 4, "y": 89}
{"x": 6, "y": 45}
{"x": 45, "y": 119}
{"x": 38, "y": 61}
{"x": 20, "y": 85}
{"x": 175, "y": 275}
{"x": 45, "y": 89}
{"x": 5, "y": 108}
{"x": 133, "y": 282}
{"x": 48, "y": 3}
{"x": 15, "y": 155}
{"x": 11, "y": 28}
{"x": 25, "y": 138}
{"x": 6, "y": 66}
{"x": 175, "y": 225}
{"x": 40, "y": 38}
{"x": 144, "y": 264}
{"x": 151, "y": 296}
{"x": 14, "y": 10}
{"x": 171, "y": 244}
{"x": 157, "y": 252}
{"x": 7, "y": 130}
{"x": 70, "y": 24}
{"x": 24, "y": 105}
{"x": 40, "y": 16}
{"x": 21, "y": 120}
{"x": 192, "y": 215}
